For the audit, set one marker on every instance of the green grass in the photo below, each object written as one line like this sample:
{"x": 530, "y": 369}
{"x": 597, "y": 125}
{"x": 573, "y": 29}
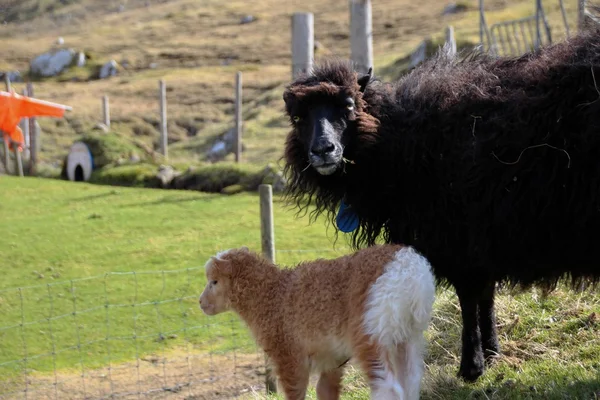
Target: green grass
{"x": 74, "y": 244}
{"x": 55, "y": 231}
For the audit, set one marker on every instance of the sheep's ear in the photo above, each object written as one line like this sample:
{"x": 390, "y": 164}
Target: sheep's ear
{"x": 363, "y": 81}
{"x": 223, "y": 266}
{"x": 287, "y": 96}
{"x": 244, "y": 248}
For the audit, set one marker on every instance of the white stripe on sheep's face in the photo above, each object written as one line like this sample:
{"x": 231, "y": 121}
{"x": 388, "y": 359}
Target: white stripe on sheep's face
{"x": 215, "y": 296}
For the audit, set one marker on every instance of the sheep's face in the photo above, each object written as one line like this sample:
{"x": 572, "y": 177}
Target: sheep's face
{"x": 215, "y": 296}
{"x": 324, "y": 116}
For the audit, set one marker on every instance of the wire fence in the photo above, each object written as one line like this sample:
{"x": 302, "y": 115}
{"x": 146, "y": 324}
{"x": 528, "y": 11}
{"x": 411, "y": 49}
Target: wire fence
{"x": 127, "y": 335}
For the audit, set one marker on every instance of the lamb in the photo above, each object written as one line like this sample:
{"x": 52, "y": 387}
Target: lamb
{"x": 373, "y": 305}
{"x": 489, "y": 167}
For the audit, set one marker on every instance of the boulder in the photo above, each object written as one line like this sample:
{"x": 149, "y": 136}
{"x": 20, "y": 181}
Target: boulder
{"x": 53, "y": 62}
{"x": 166, "y": 174}
{"x": 108, "y": 69}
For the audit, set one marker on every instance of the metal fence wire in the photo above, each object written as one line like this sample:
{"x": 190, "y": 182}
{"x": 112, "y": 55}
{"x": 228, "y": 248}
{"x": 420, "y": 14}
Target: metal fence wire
{"x": 127, "y": 335}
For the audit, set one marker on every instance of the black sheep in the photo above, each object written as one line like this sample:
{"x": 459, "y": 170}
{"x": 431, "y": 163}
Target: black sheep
{"x": 489, "y": 167}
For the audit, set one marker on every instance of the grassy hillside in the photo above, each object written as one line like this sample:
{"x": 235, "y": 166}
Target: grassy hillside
{"x": 55, "y": 231}
{"x": 197, "y": 47}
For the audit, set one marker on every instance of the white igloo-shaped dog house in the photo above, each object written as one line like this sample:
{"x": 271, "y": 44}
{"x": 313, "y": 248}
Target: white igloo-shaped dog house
{"x": 80, "y": 162}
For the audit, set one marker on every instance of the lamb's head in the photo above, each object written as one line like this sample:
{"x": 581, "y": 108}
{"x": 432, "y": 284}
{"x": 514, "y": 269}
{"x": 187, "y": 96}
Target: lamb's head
{"x": 327, "y": 114}
{"x": 216, "y": 296}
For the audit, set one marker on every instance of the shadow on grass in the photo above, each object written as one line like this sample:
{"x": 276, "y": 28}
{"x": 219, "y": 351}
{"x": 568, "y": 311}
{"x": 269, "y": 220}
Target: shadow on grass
{"x": 94, "y": 196}
{"x": 172, "y": 200}
{"x": 450, "y": 389}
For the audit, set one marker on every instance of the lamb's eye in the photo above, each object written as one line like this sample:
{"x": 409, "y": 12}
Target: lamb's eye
{"x": 350, "y": 107}
{"x": 296, "y": 118}
{"x": 214, "y": 282}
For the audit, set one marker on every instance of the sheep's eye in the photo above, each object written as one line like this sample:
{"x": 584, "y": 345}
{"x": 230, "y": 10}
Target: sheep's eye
{"x": 214, "y": 282}
{"x": 296, "y": 118}
{"x": 349, "y": 104}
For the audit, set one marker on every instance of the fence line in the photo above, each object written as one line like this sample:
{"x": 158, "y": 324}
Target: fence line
{"x": 106, "y": 327}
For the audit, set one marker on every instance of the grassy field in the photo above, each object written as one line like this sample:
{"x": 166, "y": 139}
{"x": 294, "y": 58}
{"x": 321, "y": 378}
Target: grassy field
{"x": 54, "y": 232}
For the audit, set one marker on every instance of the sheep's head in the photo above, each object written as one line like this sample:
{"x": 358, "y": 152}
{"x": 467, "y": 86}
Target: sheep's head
{"x": 327, "y": 113}
{"x": 215, "y": 297}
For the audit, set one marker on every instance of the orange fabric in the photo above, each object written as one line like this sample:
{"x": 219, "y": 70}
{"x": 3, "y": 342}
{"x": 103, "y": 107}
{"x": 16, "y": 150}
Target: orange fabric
{"x": 15, "y": 107}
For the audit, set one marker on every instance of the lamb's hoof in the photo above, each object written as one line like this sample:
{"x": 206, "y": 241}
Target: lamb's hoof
{"x": 471, "y": 373}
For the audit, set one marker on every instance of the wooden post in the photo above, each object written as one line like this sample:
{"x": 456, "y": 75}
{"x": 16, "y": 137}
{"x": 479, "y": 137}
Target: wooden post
{"x": 581, "y": 15}
{"x": 538, "y": 15}
{"x": 163, "y": 118}
{"x": 361, "y": 35}
{"x": 303, "y": 43}
{"x": 6, "y": 148}
{"x": 238, "y": 117}
{"x": 268, "y": 250}
{"x": 34, "y": 137}
{"x": 105, "y": 111}
{"x": 450, "y": 39}
{"x": 25, "y": 129}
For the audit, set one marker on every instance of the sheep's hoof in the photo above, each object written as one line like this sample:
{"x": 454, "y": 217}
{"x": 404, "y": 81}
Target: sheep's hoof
{"x": 472, "y": 372}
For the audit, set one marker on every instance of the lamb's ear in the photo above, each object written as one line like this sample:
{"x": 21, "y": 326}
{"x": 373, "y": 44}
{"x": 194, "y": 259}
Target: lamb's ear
{"x": 363, "y": 81}
{"x": 223, "y": 266}
{"x": 244, "y": 248}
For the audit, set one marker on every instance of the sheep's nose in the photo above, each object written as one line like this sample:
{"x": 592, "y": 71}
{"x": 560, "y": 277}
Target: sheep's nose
{"x": 322, "y": 148}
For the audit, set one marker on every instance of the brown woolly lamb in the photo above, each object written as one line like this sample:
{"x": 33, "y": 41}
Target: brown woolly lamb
{"x": 373, "y": 305}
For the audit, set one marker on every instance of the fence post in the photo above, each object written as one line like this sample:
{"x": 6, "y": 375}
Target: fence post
{"x": 6, "y": 148}
{"x": 361, "y": 35}
{"x": 163, "y": 118}
{"x": 581, "y": 15}
{"x": 238, "y": 117}
{"x": 105, "y": 111}
{"x": 268, "y": 250}
{"x": 34, "y": 137}
{"x": 18, "y": 160}
{"x": 303, "y": 43}
{"x": 450, "y": 39}
{"x": 26, "y": 134}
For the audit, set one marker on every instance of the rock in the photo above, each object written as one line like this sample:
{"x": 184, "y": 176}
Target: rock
{"x": 121, "y": 8}
{"x": 274, "y": 177}
{"x": 166, "y": 174}
{"x": 52, "y": 63}
{"x": 14, "y": 76}
{"x": 246, "y": 19}
{"x": 101, "y": 127}
{"x": 60, "y": 41}
{"x": 222, "y": 147}
{"x": 419, "y": 55}
{"x": 108, "y": 69}
{"x": 81, "y": 59}
{"x": 454, "y": 8}
{"x": 153, "y": 65}
{"x": 134, "y": 158}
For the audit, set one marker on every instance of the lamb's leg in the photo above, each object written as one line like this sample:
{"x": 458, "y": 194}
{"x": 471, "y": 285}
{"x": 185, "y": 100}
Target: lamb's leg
{"x": 384, "y": 385}
{"x": 329, "y": 385}
{"x": 487, "y": 323}
{"x": 471, "y": 364}
{"x": 293, "y": 375}
{"x": 412, "y": 367}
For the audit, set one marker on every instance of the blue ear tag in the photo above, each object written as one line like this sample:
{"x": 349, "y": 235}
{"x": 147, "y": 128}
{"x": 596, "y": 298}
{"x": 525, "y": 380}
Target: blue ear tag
{"x": 346, "y": 219}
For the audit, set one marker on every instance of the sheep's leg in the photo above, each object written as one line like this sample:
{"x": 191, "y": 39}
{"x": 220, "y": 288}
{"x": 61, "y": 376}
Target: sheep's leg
{"x": 487, "y": 323}
{"x": 329, "y": 385}
{"x": 471, "y": 364}
{"x": 292, "y": 376}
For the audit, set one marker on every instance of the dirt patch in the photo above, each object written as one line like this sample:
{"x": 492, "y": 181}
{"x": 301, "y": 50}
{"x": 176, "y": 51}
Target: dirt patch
{"x": 176, "y": 376}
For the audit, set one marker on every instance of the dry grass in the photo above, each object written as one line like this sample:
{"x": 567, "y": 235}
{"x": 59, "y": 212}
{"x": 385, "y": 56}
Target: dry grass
{"x": 198, "y": 47}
